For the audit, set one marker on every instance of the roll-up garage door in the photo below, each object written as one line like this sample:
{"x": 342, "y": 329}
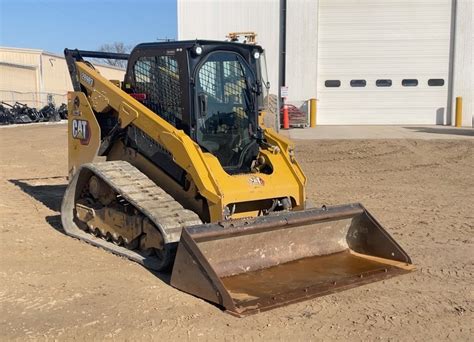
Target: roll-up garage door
{"x": 18, "y": 83}
{"x": 383, "y": 61}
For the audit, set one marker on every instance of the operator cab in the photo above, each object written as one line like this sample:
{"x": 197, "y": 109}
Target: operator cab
{"x": 209, "y": 89}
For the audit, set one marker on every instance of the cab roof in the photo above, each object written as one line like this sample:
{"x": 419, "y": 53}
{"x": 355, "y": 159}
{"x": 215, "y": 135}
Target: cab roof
{"x": 190, "y": 43}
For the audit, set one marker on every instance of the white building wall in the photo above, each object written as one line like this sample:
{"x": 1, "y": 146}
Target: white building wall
{"x": 215, "y": 19}
{"x": 463, "y": 78}
{"x": 55, "y": 75}
{"x": 301, "y": 48}
{"x": 199, "y": 19}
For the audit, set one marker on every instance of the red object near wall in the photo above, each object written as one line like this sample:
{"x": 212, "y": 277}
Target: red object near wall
{"x": 286, "y": 117}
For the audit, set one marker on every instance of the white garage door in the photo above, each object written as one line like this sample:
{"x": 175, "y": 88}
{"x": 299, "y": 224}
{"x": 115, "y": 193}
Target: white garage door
{"x": 18, "y": 83}
{"x": 383, "y": 61}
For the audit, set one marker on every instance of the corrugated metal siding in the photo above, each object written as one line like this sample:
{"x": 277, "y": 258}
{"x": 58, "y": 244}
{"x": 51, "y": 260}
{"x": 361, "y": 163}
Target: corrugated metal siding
{"x": 358, "y": 39}
{"x": 463, "y": 60}
{"x": 215, "y": 19}
{"x": 389, "y": 39}
{"x": 20, "y": 56}
{"x": 301, "y": 48}
{"x": 55, "y": 75}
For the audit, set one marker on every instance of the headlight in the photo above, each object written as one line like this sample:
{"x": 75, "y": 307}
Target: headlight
{"x": 197, "y": 49}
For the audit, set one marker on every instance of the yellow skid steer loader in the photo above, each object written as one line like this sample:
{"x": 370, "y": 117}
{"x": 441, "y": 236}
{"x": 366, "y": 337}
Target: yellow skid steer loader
{"x": 172, "y": 168}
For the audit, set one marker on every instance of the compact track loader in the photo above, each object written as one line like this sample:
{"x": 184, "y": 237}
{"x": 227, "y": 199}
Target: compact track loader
{"x": 172, "y": 168}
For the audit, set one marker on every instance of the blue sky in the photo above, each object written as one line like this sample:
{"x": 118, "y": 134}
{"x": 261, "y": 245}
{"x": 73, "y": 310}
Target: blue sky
{"x": 53, "y": 25}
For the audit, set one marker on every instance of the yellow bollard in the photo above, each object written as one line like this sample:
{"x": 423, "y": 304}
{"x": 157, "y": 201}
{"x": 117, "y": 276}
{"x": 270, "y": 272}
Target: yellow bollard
{"x": 312, "y": 113}
{"x": 458, "y": 111}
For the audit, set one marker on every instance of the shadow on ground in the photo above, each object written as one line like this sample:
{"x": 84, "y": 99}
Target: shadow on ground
{"x": 55, "y": 222}
{"x": 51, "y": 196}
{"x": 442, "y": 130}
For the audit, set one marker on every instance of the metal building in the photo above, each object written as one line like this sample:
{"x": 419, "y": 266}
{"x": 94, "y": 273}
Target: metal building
{"x": 35, "y": 77}
{"x": 366, "y": 61}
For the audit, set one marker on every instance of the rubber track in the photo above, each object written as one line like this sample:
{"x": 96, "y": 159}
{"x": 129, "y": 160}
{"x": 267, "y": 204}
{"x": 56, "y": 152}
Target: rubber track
{"x": 141, "y": 192}
{"x": 147, "y": 197}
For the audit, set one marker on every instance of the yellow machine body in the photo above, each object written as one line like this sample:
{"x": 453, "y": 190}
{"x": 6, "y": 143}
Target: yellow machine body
{"x": 218, "y": 187}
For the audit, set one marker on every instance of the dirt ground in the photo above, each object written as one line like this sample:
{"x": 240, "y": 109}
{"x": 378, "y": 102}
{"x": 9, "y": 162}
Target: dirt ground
{"x": 55, "y": 287}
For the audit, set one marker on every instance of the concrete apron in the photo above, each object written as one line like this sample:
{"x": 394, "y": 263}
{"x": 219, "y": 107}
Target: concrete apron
{"x": 380, "y": 132}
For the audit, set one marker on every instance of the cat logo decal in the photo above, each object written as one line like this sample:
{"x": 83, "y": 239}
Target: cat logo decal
{"x": 81, "y": 131}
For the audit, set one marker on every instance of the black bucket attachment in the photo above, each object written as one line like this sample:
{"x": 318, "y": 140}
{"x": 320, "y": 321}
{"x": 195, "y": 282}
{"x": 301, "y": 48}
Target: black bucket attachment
{"x": 252, "y": 265}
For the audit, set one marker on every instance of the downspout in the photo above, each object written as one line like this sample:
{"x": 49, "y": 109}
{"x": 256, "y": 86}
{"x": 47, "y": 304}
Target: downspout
{"x": 452, "y": 47}
{"x": 41, "y": 81}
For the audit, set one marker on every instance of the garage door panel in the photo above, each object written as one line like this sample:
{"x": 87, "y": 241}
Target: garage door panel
{"x": 354, "y": 107}
{"x": 339, "y": 8}
{"x": 382, "y": 39}
{"x": 393, "y": 116}
{"x": 386, "y": 33}
{"x": 383, "y": 97}
{"x": 17, "y": 78}
{"x": 412, "y": 67}
{"x": 425, "y": 48}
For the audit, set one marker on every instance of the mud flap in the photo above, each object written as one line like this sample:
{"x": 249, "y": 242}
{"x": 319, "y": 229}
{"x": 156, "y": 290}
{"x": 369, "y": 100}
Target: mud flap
{"x": 252, "y": 265}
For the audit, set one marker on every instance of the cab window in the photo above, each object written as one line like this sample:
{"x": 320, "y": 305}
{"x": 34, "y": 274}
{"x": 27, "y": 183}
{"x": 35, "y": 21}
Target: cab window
{"x": 159, "y": 78}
